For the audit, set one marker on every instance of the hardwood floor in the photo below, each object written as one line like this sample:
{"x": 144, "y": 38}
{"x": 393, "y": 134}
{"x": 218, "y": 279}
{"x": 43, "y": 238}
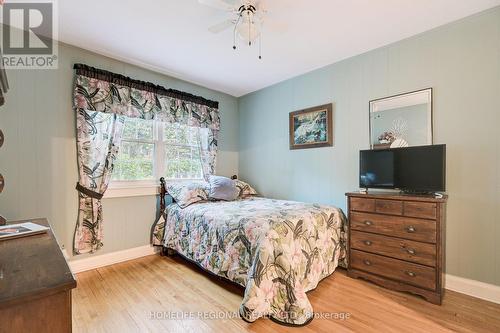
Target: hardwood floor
{"x": 125, "y": 296}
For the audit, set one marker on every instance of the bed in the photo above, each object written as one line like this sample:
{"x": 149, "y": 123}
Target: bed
{"x": 277, "y": 250}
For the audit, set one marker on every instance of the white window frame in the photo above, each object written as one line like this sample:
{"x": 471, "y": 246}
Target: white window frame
{"x": 132, "y": 188}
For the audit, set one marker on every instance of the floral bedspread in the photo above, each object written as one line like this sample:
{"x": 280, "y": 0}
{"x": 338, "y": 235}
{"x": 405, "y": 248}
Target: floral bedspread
{"x": 278, "y": 250}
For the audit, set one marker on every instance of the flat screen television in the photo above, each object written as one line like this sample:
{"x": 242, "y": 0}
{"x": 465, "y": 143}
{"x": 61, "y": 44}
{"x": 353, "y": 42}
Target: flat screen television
{"x": 411, "y": 169}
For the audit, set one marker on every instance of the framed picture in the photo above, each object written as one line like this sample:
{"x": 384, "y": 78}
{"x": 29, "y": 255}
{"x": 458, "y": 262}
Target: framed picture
{"x": 402, "y": 120}
{"x": 311, "y": 128}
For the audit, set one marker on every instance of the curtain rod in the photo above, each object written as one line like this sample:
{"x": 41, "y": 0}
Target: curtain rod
{"x": 100, "y": 74}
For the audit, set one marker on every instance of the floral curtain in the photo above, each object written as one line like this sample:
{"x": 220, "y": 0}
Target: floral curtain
{"x": 102, "y": 100}
{"x": 98, "y": 139}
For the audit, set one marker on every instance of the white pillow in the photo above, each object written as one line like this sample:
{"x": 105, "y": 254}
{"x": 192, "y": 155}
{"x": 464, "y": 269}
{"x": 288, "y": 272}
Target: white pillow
{"x": 222, "y": 188}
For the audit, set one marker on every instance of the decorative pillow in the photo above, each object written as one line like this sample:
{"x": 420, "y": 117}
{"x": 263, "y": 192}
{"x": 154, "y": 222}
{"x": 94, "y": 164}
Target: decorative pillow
{"x": 222, "y": 188}
{"x": 245, "y": 189}
{"x": 186, "y": 194}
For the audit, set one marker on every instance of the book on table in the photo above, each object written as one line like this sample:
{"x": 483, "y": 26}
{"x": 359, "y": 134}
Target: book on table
{"x": 21, "y": 229}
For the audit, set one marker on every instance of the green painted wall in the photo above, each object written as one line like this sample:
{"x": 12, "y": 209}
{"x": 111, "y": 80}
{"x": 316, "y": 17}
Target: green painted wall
{"x": 461, "y": 61}
{"x": 38, "y": 159}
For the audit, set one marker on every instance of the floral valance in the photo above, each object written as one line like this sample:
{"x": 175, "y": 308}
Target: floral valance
{"x": 103, "y": 91}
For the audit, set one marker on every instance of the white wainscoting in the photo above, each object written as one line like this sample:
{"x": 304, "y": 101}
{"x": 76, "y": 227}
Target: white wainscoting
{"x": 469, "y": 287}
{"x": 486, "y": 291}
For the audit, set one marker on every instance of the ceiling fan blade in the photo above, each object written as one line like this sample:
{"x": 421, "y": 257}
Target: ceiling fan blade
{"x": 218, "y": 4}
{"x": 261, "y": 6}
{"x": 221, "y": 26}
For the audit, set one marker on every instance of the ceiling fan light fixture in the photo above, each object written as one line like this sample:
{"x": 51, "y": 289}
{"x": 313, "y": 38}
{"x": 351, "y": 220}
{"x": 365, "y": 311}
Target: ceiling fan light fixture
{"x": 247, "y": 24}
{"x": 247, "y": 31}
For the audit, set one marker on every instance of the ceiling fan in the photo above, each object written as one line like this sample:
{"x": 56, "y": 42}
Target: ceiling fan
{"x": 247, "y": 19}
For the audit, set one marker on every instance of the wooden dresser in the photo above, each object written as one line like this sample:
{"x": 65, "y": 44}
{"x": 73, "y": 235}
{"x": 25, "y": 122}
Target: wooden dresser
{"x": 35, "y": 284}
{"x": 397, "y": 241}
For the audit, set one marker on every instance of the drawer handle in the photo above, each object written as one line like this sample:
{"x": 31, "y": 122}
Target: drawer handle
{"x": 411, "y": 229}
{"x": 410, "y": 273}
{"x": 411, "y": 251}
{"x": 367, "y": 242}
{"x": 368, "y": 223}
{"x": 367, "y": 262}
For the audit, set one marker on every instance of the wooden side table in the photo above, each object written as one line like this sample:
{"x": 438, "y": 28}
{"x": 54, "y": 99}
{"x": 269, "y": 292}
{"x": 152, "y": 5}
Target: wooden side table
{"x": 35, "y": 284}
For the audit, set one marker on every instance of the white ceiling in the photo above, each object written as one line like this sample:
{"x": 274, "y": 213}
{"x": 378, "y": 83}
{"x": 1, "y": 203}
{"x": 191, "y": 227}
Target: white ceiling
{"x": 171, "y": 36}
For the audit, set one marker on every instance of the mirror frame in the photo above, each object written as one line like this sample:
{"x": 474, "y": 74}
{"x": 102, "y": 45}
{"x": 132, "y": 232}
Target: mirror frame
{"x": 370, "y": 103}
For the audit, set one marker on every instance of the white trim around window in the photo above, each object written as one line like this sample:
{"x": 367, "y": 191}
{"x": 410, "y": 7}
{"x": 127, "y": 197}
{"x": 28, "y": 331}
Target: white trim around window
{"x": 122, "y": 189}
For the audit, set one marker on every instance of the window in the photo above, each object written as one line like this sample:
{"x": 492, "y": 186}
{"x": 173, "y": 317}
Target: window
{"x": 151, "y": 149}
{"x": 182, "y": 151}
{"x": 135, "y": 160}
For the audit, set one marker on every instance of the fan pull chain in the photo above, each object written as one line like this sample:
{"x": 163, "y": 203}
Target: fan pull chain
{"x": 234, "y": 32}
{"x": 260, "y": 40}
{"x": 260, "y": 46}
{"x": 249, "y": 32}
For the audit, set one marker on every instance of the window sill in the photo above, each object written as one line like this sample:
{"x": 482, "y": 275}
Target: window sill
{"x": 124, "y": 189}
{"x": 131, "y": 191}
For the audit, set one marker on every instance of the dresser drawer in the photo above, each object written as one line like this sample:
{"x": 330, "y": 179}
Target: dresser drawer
{"x": 420, "y": 253}
{"x": 414, "y": 274}
{"x": 389, "y": 207}
{"x": 397, "y": 226}
{"x": 382, "y": 206}
{"x": 362, "y": 205}
{"x": 425, "y": 210}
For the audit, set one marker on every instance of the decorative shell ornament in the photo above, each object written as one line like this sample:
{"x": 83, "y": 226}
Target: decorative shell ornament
{"x": 399, "y": 143}
{"x": 399, "y": 127}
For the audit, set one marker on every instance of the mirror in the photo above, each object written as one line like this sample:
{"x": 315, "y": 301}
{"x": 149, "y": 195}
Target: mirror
{"x": 401, "y": 121}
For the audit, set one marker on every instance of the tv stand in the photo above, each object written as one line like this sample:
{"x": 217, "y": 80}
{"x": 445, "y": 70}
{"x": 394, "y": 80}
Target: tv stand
{"x": 397, "y": 241}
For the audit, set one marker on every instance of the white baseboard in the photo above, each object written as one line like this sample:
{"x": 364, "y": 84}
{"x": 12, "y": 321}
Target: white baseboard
{"x": 486, "y": 291}
{"x": 81, "y": 265}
